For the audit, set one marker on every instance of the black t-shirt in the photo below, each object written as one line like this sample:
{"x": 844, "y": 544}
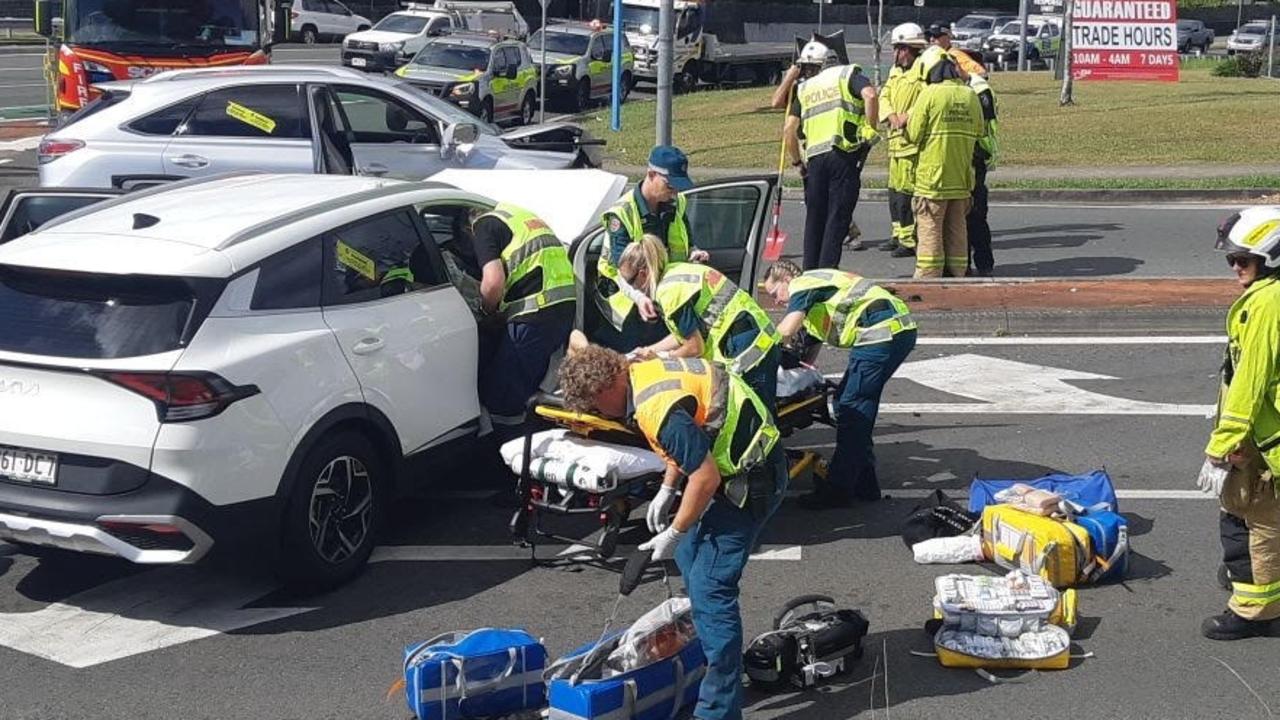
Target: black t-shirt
{"x": 491, "y": 237}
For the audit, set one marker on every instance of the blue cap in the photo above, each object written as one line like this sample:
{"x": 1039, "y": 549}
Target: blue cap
{"x": 670, "y": 161}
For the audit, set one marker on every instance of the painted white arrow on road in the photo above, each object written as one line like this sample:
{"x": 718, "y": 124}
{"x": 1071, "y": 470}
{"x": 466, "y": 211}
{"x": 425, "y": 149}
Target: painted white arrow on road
{"x": 1007, "y": 387}
{"x": 143, "y": 613}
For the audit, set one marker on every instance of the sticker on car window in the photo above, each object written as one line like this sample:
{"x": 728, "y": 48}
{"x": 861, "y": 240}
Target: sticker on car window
{"x": 356, "y": 260}
{"x": 252, "y": 118}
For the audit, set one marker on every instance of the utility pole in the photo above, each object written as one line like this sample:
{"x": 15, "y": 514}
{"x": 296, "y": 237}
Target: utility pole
{"x": 615, "y": 95}
{"x": 875, "y": 30}
{"x": 1068, "y": 23}
{"x": 1271, "y": 52}
{"x": 879, "y": 39}
{"x": 666, "y": 68}
{"x": 1022, "y": 36}
{"x": 542, "y": 69}
{"x": 820, "y": 4}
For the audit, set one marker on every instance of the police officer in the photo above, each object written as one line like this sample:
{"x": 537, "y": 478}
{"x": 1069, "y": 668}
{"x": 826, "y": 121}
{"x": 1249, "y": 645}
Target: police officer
{"x": 526, "y": 284}
{"x": 847, "y": 311}
{"x": 896, "y": 98}
{"x": 655, "y": 207}
{"x": 981, "y": 260}
{"x": 708, "y": 316}
{"x": 1243, "y": 455}
{"x": 716, "y": 436}
{"x": 833, "y": 116}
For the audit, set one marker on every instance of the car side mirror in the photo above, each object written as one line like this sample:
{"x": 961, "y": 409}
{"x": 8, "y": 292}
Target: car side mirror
{"x": 45, "y": 10}
{"x": 281, "y": 21}
{"x": 463, "y": 133}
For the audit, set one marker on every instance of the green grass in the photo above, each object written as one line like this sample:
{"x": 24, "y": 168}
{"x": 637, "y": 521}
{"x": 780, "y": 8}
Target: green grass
{"x": 1201, "y": 119}
{"x": 1244, "y": 182}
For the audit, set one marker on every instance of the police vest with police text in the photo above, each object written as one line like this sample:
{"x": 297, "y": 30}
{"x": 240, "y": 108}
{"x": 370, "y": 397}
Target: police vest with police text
{"x": 827, "y": 107}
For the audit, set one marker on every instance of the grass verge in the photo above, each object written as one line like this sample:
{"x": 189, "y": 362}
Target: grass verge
{"x": 1200, "y": 119}
{"x": 1245, "y": 182}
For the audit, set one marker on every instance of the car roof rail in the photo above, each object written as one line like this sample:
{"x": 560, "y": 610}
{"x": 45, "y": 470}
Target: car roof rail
{"x": 189, "y": 73}
{"x": 144, "y": 193}
{"x": 324, "y": 206}
{"x": 468, "y": 33}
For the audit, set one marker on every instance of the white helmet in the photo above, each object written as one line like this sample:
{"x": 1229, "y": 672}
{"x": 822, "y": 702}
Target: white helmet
{"x": 909, "y": 34}
{"x": 1255, "y": 231}
{"x": 816, "y": 53}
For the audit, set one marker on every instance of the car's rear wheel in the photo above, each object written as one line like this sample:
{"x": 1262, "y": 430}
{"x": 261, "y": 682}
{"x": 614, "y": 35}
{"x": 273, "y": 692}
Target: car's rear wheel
{"x": 333, "y": 516}
{"x": 309, "y": 35}
{"x": 527, "y": 109}
{"x": 582, "y": 95}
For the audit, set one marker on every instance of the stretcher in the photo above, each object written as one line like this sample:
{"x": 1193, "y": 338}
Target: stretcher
{"x": 539, "y": 498}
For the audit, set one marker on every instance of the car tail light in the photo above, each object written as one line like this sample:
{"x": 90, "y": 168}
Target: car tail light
{"x": 293, "y": 14}
{"x": 50, "y": 150}
{"x": 182, "y": 397}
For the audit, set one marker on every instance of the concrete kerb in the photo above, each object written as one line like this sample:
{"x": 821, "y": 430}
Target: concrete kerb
{"x": 35, "y": 47}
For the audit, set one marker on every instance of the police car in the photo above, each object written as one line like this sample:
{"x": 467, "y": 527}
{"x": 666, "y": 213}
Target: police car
{"x": 486, "y": 74}
{"x": 579, "y": 63}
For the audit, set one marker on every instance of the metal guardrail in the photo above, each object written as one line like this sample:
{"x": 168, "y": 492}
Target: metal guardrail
{"x": 9, "y": 24}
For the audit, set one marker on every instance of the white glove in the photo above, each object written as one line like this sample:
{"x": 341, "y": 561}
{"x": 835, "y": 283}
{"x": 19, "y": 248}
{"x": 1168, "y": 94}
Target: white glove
{"x": 1213, "y": 475}
{"x": 664, "y": 543}
{"x": 659, "y": 508}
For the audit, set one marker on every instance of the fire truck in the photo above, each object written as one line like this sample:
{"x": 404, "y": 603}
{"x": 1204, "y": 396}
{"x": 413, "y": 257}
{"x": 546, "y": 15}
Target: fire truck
{"x": 102, "y": 40}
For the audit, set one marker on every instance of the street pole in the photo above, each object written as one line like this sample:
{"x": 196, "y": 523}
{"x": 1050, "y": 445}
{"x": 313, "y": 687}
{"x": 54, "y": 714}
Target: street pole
{"x": 820, "y": 4}
{"x": 879, "y": 40}
{"x": 1022, "y": 36}
{"x": 542, "y": 75}
{"x": 615, "y": 96}
{"x": 1239, "y": 13}
{"x": 1068, "y": 22}
{"x": 666, "y": 67}
{"x": 1271, "y": 52}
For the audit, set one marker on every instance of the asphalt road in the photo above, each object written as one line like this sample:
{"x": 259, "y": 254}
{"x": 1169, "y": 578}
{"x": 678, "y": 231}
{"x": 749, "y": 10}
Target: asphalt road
{"x": 205, "y": 643}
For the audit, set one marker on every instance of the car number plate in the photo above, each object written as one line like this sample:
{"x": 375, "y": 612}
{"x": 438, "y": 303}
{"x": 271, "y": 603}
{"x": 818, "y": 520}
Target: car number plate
{"x": 28, "y": 466}
{"x": 357, "y": 62}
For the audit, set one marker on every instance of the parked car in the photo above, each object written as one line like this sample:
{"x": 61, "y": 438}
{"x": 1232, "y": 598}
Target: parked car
{"x": 1044, "y": 38}
{"x": 490, "y": 76}
{"x": 286, "y": 118}
{"x": 1248, "y": 37}
{"x": 971, "y": 31}
{"x": 316, "y": 20}
{"x": 490, "y": 16}
{"x": 1194, "y": 35}
{"x": 152, "y": 343}
{"x": 579, "y": 65}
{"x": 399, "y": 36}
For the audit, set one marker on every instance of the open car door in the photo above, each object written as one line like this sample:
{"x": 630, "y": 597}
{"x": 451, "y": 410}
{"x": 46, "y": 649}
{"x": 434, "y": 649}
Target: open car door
{"x": 727, "y": 218}
{"x": 26, "y": 209}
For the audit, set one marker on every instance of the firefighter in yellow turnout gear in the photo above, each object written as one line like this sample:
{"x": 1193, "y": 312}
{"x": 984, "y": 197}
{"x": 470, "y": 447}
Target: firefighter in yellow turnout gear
{"x": 1243, "y": 454}
{"x": 719, "y": 441}
{"x": 896, "y": 98}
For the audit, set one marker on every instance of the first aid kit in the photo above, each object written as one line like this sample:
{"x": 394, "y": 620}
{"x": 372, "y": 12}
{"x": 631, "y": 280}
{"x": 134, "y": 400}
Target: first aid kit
{"x": 1059, "y": 550}
{"x": 477, "y": 674}
{"x": 1010, "y": 622}
{"x": 806, "y": 646}
{"x": 1092, "y": 490}
{"x": 655, "y": 678}
{"x": 1048, "y": 648}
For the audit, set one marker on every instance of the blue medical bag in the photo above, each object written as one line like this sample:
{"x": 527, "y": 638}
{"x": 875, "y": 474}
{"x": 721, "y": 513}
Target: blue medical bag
{"x": 477, "y": 674}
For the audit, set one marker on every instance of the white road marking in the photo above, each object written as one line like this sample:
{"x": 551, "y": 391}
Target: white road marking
{"x": 1079, "y": 340}
{"x": 5, "y": 161}
{"x": 21, "y": 144}
{"x": 497, "y": 553}
{"x": 139, "y": 614}
{"x": 962, "y": 494}
{"x": 1007, "y": 387}
{"x": 20, "y": 85}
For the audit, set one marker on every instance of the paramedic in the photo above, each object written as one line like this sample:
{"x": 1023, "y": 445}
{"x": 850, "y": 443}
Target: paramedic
{"x": 527, "y": 287}
{"x": 833, "y": 115}
{"x": 655, "y": 207}
{"x": 717, "y": 435}
{"x": 708, "y": 317}
{"x": 896, "y": 98}
{"x": 1243, "y": 454}
{"x": 847, "y": 311}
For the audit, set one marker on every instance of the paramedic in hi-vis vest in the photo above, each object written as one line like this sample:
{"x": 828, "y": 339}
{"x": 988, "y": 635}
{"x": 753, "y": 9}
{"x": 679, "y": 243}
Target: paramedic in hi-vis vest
{"x": 707, "y": 315}
{"x": 717, "y": 438}
{"x": 896, "y": 98}
{"x": 655, "y": 207}
{"x": 833, "y": 116}
{"x": 1243, "y": 454}
{"x": 527, "y": 286}
{"x": 847, "y": 311}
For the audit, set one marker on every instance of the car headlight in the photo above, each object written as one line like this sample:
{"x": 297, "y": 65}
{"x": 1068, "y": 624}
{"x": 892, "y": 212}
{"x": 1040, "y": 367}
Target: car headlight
{"x": 391, "y": 47}
{"x": 564, "y": 70}
{"x": 463, "y": 89}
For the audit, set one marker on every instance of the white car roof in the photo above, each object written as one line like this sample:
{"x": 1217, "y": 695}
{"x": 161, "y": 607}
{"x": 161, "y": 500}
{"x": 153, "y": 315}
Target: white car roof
{"x": 569, "y": 201}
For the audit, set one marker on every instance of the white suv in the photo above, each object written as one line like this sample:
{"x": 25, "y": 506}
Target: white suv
{"x": 316, "y": 20}
{"x": 249, "y": 361}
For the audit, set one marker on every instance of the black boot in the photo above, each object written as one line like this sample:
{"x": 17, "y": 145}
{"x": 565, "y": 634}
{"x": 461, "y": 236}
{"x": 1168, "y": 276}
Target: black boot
{"x": 890, "y": 244}
{"x": 1230, "y": 626}
{"x": 903, "y": 251}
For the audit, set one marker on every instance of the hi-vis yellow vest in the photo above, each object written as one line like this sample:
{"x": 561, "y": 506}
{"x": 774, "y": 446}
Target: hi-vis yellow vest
{"x": 723, "y": 406}
{"x": 719, "y": 304}
{"x": 533, "y": 247}
{"x": 616, "y": 306}
{"x": 835, "y": 320}
{"x": 826, "y": 105}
